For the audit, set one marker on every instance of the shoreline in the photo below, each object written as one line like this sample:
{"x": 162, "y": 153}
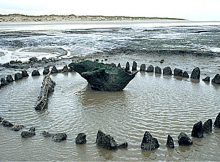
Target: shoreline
{"x": 127, "y": 53}
{"x": 96, "y": 21}
{"x": 104, "y": 22}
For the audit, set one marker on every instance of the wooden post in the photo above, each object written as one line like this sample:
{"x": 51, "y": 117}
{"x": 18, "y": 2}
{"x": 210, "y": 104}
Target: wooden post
{"x": 46, "y": 88}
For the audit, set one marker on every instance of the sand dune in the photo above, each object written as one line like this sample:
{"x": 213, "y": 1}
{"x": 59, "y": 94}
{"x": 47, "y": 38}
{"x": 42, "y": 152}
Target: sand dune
{"x": 45, "y": 18}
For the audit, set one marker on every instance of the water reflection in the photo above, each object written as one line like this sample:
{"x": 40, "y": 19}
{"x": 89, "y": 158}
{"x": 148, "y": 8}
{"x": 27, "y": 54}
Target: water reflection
{"x": 161, "y": 106}
{"x": 149, "y": 155}
{"x": 216, "y": 86}
{"x": 90, "y": 97}
{"x": 184, "y": 151}
{"x": 81, "y": 151}
{"x": 106, "y": 154}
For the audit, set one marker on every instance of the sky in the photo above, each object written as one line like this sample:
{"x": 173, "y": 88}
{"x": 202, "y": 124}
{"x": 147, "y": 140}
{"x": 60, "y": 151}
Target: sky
{"x": 198, "y": 10}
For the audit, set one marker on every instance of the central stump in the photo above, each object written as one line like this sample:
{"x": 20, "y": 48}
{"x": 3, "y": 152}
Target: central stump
{"x": 103, "y": 77}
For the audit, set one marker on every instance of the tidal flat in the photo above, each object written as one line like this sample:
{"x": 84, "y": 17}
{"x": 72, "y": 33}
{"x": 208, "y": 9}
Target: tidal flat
{"x": 156, "y": 103}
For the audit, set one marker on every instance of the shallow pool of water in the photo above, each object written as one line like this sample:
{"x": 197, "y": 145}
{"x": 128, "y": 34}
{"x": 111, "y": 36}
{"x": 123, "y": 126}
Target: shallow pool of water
{"x": 158, "y": 104}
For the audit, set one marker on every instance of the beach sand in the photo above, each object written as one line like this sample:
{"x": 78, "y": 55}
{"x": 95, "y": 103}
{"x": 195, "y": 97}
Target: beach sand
{"x": 66, "y": 18}
{"x": 159, "y": 104}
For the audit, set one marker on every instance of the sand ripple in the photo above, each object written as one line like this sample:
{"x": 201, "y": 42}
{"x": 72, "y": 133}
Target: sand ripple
{"x": 148, "y": 103}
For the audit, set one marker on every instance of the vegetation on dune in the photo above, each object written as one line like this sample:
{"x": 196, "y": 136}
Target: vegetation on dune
{"x": 72, "y": 17}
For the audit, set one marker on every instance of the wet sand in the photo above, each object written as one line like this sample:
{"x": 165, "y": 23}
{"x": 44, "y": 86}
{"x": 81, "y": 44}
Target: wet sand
{"x": 161, "y": 105}
{"x": 209, "y": 65}
{"x": 155, "y": 103}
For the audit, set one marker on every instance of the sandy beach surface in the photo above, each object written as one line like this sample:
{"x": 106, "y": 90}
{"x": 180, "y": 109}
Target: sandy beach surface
{"x": 156, "y": 103}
